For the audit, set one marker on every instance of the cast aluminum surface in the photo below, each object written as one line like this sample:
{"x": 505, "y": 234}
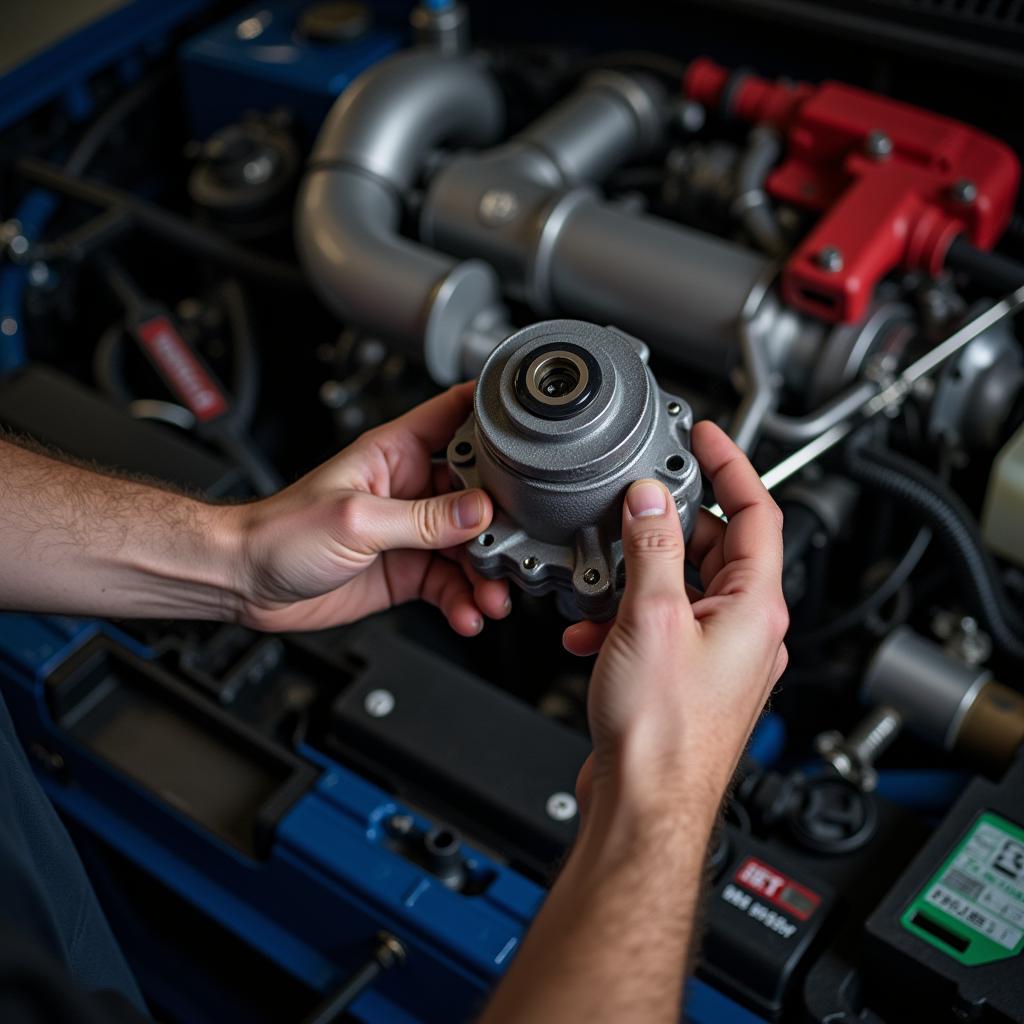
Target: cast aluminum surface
{"x": 558, "y": 480}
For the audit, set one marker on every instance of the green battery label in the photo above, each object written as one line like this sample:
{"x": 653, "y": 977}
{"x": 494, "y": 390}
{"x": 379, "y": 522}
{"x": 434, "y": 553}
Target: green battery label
{"x": 973, "y": 906}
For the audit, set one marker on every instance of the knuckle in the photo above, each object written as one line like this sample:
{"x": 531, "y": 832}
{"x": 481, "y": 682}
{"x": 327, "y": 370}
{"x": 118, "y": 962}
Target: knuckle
{"x": 430, "y": 520}
{"x": 348, "y": 515}
{"x": 660, "y": 615}
{"x": 777, "y": 614}
{"x": 657, "y": 542}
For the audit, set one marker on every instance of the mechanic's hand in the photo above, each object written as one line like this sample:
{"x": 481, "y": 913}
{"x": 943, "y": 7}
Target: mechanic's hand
{"x": 372, "y": 527}
{"x": 682, "y": 678}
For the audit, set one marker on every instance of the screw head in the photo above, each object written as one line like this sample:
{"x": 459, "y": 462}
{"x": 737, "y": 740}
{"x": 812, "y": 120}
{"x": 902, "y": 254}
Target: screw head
{"x": 878, "y": 145}
{"x": 530, "y": 563}
{"x": 964, "y": 191}
{"x": 38, "y": 274}
{"x": 561, "y": 806}
{"x": 257, "y": 170}
{"x": 401, "y": 824}
{"x": 591, "y": 576}
{"x": 830, "y": 259}
{"x": 379, "y": 703}
{"x": 334, "y": 394}
{"x": 498, "y": 206}
{"x": 674, "y": 408}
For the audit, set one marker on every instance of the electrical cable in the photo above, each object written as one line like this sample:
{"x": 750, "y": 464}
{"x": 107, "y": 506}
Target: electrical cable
{"x": 911, "y": 485}
{"x": 98, "y": 133}
{"x": 245, "y": 363}
{"x": 229, "y": 431}
{"x": 169, "y": 226}
{"x": 888, "y": 588}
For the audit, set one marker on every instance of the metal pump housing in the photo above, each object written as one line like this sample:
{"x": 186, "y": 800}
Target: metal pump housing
{"x": 566, "y": 415}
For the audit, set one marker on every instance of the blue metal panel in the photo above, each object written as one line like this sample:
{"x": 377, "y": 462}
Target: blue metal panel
{"x": 62, "y": 69}
{"x": 330, "y": 881}
{"x": 257, "y": 60}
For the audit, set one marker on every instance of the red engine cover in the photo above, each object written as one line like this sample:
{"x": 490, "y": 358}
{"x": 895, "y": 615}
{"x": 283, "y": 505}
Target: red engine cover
{"x": 898, "y": 209}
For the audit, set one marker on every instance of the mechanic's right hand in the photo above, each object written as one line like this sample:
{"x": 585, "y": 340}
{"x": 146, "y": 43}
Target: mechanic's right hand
{"x": 679, "y": 683}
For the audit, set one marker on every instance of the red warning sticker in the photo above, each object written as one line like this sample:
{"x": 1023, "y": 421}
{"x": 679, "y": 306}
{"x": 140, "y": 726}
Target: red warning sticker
{"x": 184, "y": 373}
{"x": 777, "y": 888}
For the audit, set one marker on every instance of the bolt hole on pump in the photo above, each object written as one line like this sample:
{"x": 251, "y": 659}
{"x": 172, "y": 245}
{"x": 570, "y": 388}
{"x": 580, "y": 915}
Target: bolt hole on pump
{"x": 236, "y": 238}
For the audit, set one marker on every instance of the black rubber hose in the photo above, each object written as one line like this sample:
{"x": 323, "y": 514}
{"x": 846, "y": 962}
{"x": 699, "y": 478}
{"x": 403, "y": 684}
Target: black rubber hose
{"x": 108, "y": 365}
{"x": 884, "y": 592}
{"x": 911, "y": 485}
{"x": 988, "y": 269}
{"x": 97, "y": 134}
{"x": 245, "y": 362}
{"x": 752, "y": 205}
{"x": 160, "y": 222}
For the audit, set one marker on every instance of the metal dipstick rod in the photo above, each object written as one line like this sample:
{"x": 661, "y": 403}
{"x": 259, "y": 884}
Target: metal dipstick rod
{"x": 893, "y": 394}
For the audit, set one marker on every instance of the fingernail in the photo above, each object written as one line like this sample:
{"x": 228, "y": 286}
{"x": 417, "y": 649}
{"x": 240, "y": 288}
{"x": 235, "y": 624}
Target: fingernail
{"x": 478, "y": 625}
{"x": 507, "y": 606}
{"x": 469, "y": 510}
{"x": 645, "y": 498}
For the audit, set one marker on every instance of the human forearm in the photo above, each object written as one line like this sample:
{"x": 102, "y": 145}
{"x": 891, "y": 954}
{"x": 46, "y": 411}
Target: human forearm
{"x": 612, "y": 941}
{"x": 82, "y": 542}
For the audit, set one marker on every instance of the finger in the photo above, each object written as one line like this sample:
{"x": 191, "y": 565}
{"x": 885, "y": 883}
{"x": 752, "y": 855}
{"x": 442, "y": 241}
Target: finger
{"x": 445, "y": 587}
{"x": 585, "y": 638}
{"x": 652, "y": 547}
{"x": 432, "y": 423}
{"x": 754, "y": 533}
{"x": 371, "y": 524}
{"x": 491, "y": 596}
{"x": 706, "y": 547}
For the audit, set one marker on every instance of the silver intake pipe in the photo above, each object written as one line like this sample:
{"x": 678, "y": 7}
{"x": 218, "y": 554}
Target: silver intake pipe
{"x": 526, "y": 219}
{"x": 369, "y": 153}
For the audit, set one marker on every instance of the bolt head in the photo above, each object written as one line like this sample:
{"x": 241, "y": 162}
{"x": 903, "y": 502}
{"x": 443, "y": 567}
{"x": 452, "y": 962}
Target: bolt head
{"x": 964, "y": 191}
{"x": 401, "y": 824}
{"x": 258, "y": 170}
{"x": 38, "y": 274}
{"x": 826, "y": 742}
{"x": 379, "y": 703}
{"x": 498, "y": 206}
{"x": 334, "y": 394}
{"x": 530, "y": 563}
{"x": 674, "y": 408}
{"x": 561, "y": 806}
{"x": 830, "y": 259}
{"x": 878, "y": 145}
{"x": 591, "y": 576}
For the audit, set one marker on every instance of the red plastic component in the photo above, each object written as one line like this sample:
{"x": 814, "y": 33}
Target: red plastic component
{"x": 879, "y": 213}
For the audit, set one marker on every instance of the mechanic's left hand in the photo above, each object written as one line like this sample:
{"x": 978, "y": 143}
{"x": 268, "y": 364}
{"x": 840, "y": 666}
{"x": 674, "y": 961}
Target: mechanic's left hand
{"x": 373, "y": 527}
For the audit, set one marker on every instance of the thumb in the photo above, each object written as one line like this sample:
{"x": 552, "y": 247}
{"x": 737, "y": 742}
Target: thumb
{"x": 652, "y": 545}
{"x": 376, "y": 524}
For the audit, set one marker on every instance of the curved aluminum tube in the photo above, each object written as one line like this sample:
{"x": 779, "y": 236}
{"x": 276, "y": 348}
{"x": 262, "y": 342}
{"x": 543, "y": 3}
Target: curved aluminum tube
{"x": 393, "y": 115}
{"x": 800, "y": 429}
{"x": 369, "y": 152}
{"x": 760, "y": 394}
